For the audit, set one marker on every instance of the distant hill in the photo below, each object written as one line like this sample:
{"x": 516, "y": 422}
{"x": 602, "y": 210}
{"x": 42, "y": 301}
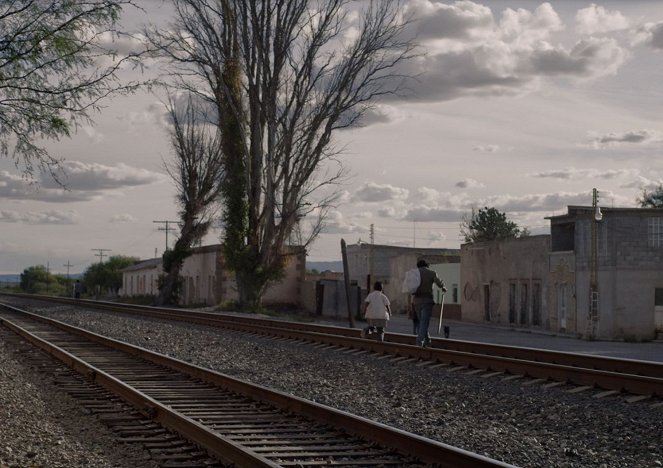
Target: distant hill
{"x": 336, "y": 266}
{"x": 10, "y": 278}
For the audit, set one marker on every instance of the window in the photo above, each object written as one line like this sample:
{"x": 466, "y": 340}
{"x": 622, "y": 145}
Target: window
{"x": 524, "y": 303}
{"x": 658, "y": 297}
{"x": 655, "y": 232}
{"x": 512, "y": 302}
{"x": 536, "y": 303}
{"x": 561, "y": 306}
{"x": 454, "y": 292}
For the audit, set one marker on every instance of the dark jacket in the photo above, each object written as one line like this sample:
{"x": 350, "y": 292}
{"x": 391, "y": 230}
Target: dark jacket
{"x": 424, "y": 293}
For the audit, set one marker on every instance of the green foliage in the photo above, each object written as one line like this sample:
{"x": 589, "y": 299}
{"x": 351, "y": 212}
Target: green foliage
{"x": 38, "y": 280}
{"x": 107, "y": 275}
{"x": 651, "y": 199}
{"x": 51, "y": 78}
{"x": 489, "y": 224}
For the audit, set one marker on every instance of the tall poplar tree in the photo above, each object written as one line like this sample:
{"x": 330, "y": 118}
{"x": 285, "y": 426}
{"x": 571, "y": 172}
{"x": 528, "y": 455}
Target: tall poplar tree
{"x": 284, "y": 76}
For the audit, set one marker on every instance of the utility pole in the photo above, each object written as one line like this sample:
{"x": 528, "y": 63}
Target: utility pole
{"x": 68, "y": 265}
{"x": 166, "y": 228}
{"x": 593, "y": 313}
{"x": 371, "y": 262}
{"x": 101, "y": 254}
{"x": 414, "y": 233}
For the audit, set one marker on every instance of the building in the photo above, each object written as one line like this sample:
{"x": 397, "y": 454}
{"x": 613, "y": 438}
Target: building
{"x": 625, "y": 261}
{"x": 368, "y": 263}
{"x": 506, "y": 281}
{"x": 546, "y": 282}
{"x": 207, "y": 281}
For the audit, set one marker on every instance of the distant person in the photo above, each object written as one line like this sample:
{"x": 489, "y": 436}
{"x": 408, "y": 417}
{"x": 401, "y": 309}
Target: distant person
{"x": 423, "y": 300}
{"x": 78, "y": 288}
{"x": 376, "y": 312}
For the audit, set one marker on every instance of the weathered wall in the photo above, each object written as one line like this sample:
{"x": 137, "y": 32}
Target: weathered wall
{"x": 505, "y": 281}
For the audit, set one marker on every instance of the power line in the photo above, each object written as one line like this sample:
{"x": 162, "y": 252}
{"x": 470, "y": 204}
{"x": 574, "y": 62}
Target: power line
{"x": 166, "y": 229}
{"x": 68, "y": 265}
{"x": 101, "y": 253}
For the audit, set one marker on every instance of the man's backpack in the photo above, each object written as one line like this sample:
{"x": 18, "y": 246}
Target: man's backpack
{"x": 412, "y": 281}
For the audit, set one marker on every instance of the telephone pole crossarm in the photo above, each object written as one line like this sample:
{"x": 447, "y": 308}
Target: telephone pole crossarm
{"x": 166, "y": 228}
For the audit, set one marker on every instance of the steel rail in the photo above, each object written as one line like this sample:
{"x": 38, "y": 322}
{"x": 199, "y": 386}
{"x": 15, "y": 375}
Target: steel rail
{"x": 426, "y": 450}
{"x": 622, "y": 375}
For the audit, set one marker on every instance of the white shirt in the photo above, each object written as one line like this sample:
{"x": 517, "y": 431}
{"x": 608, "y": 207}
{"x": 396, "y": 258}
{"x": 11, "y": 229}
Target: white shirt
{"x": 377, "y": 306}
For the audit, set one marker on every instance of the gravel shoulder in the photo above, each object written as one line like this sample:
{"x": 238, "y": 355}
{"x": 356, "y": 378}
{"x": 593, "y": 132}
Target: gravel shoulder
{"x": 529, "y": 426}
{"x": 43, "y": 427}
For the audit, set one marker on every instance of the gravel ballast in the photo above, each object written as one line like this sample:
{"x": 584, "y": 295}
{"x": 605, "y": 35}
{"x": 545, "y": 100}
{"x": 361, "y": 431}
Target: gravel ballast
{"x": 525, "y": 425}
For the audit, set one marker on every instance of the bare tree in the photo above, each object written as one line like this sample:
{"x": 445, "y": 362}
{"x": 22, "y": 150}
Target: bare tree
{"x": 196, "y": 171}
{"x": 305, "y": 69}
{"x": 56, "y": 66}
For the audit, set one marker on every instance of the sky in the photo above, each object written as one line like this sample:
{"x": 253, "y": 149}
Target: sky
{"x": 519, "y": 105}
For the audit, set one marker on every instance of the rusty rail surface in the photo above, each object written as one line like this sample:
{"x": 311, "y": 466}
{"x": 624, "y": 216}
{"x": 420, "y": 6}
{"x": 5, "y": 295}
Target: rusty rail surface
{"x": 622, "y": 375}
{"x": 235, "y": 421}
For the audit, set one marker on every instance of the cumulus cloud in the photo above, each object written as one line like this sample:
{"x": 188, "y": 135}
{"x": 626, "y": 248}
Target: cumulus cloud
{"x": 587, "y": 59}
{"x": 573, "y": 173}
{"x": 374, "y": 193}
{"x": 538, "y": 202}
{"x": 335, "y": 224}
{"x": 486, "y": 148}
{"x": 470, "y": 51}
{"x": 82, "y": 176}
{"x": 643, "y": 183}
{"x": 631, "y": 137}
{"x": 16, "y": 188}
{"x": 426, "y": 195}
{"x": 650, "y": 34}
{"x": 122, "y": 218}
{"x": 596, "y": 19}
{"x": 424, "y": 214}
{"x": 84, "y": 182}
{"x": 469, "y": 183}
{"x": 44, "y": 217}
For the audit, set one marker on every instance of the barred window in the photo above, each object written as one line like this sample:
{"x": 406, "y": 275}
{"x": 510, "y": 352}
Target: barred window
{"x": 655, "y": 232}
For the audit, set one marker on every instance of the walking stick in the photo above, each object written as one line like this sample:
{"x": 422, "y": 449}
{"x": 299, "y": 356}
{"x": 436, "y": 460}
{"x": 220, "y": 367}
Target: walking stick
{"x": 439, "y": 325}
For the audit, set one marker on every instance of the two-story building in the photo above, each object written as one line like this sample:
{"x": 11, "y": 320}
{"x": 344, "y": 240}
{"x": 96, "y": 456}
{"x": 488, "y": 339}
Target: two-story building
{"x": 547, "y": 281}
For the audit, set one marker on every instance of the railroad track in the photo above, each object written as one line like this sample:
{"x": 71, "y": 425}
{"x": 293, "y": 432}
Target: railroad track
{"x": 639, "y": 379}
{"x": 236, "y": 422}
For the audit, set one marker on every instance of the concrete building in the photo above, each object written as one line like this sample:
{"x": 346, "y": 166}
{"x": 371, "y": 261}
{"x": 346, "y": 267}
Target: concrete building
{"x": 505, "y": 282}
{"x": 388, "y": 264}
{"x": 628, "y": 266}
{"x": 544, "y": 281}
{"x": 207, "y": 281}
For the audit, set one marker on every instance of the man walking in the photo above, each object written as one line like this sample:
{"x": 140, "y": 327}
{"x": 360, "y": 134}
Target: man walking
{"x": 423, "y": 300}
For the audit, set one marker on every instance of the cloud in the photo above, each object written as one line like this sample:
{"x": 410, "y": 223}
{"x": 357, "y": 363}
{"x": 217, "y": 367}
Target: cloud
{"x": 122, "y": 218}
{"x": 14, "y": 187}
{"x": 545, "y": 202}
{"x": 375, "y": 193}
{"x": 650, "y": 34}
{"x": 486, "y": 148}
{"x": 596, "y": 19}
{"x": 643, "y": 183}
{"x": 459, "y": 21}
{"x": 598, "y": 141}
{"x": 44, "y": 217}
{"x": 470, "y": 52}
{"x": 82, "y": 176}
{"x": 469, "y": 183}
{"x": 587, "y": 59}
{"x": 573, "y": 173}
{"x": 335, "y": 224}
{"x": 433, "y": 215}
{"x": 93, "y": 134}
